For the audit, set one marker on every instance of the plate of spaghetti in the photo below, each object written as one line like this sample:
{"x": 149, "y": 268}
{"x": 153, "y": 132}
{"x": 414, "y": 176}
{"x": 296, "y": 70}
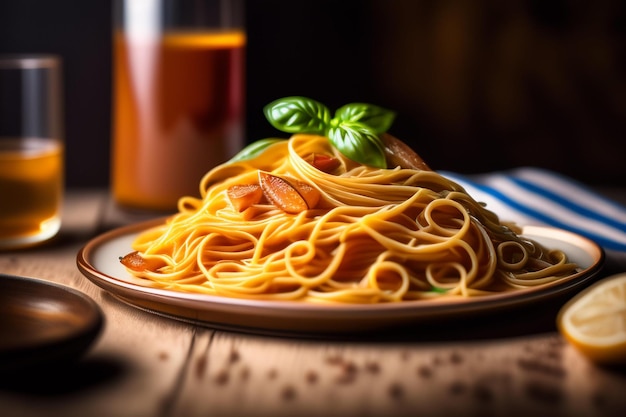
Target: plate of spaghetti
{"x": 340, "y": 227}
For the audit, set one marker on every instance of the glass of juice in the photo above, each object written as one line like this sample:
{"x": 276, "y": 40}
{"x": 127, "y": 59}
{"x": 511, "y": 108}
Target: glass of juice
{"x": 31, "y": 149}
{"x": 178, "y": 97}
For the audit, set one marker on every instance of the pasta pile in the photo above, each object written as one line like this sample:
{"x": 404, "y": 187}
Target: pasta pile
{"x": 373, "y": 235}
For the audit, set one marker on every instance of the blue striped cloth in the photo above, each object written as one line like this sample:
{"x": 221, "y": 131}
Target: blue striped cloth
{"x": 533, "y": 196}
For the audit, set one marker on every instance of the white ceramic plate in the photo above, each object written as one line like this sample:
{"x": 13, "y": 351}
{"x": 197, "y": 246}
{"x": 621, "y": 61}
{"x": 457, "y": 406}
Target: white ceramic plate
{"x": 98, "y": 260}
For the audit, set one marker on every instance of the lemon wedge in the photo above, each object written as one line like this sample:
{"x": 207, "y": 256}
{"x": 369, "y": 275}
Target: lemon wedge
{"x": 594, "y": 321}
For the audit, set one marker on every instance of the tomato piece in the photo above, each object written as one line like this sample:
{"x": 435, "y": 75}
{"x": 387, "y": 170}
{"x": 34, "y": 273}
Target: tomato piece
{"x": 138, "y": 263}
{"x": 323, "y": 162}
{"x": 292, "y": 196}
{"x": 400, "y": 154}
{"x": 310, "y": 194}
{"x": 242, "y": 196}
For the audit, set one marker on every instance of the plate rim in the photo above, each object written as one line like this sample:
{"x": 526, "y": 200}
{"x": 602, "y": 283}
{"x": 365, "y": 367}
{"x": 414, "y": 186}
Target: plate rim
{"x": 331, "y": 317}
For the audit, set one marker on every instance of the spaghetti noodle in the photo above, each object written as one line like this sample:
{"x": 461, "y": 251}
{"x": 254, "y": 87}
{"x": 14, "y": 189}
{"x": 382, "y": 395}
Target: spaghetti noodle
{"x": 374, "y": 235}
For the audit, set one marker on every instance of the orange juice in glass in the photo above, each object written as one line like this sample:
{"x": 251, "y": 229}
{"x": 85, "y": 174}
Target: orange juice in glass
{"x": 31, "y": 150}
{"x": 178, "y": 103}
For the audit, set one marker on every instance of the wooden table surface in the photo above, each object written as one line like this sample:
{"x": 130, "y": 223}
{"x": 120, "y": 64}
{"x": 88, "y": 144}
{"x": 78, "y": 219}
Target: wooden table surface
{"x": 142, "y": 364}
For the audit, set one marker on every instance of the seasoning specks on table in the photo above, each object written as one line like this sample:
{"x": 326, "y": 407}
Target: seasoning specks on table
{"x": 143, "y": 364}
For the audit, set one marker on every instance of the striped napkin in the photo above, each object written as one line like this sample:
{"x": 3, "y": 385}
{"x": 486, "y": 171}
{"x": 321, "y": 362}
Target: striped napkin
{"x": 533, "y": 196}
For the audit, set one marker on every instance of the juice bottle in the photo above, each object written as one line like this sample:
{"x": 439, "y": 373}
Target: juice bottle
{"x": 178, "y": 110}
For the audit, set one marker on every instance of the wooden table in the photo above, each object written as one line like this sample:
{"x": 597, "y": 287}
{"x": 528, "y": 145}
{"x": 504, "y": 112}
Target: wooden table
{"x": 146, "y": 365}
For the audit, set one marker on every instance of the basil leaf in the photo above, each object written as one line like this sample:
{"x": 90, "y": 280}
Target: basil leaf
{"x": 359, "y": 143}
{"x": 298, "y": 115}
{"x": 254, "y": 149}
{"x": 376, "y": 117}
{"x": 353, "y": 130}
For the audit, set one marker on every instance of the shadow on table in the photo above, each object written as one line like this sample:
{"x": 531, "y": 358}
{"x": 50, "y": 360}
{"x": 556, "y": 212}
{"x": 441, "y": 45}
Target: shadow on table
{"x": 528, "y": 320}
{"x": 67, "y": 378}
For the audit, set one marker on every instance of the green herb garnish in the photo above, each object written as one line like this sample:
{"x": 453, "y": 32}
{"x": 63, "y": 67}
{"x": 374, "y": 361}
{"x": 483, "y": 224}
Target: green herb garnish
{"x": 353, "y": 130}
{"x": 254, "y": 149}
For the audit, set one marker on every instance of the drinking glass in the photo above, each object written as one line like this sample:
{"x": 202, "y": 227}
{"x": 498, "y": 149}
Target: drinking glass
{"x": 31, "y": 149}
{"x": 178, "y": 96}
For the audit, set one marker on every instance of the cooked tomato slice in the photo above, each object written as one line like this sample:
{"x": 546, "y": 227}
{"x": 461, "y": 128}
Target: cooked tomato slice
{"x": 138, "y": 263}
{"x": 323, "y": 162}
{"x": 291, "y": 196}
{"x": 244, "y": 195}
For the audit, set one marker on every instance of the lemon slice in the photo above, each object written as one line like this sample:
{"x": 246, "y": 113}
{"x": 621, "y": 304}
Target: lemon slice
{"x": 594, "y": 321}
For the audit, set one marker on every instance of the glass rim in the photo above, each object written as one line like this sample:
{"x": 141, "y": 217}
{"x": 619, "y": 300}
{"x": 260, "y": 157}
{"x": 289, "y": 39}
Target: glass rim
{"x": 29, "y": 61}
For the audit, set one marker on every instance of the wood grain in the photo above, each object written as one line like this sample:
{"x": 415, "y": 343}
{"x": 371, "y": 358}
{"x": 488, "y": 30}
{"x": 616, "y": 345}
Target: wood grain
{"x": 146, "y": 365}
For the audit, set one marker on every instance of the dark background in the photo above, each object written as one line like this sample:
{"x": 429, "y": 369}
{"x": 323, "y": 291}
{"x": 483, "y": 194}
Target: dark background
{"x": 478, "y": 85}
